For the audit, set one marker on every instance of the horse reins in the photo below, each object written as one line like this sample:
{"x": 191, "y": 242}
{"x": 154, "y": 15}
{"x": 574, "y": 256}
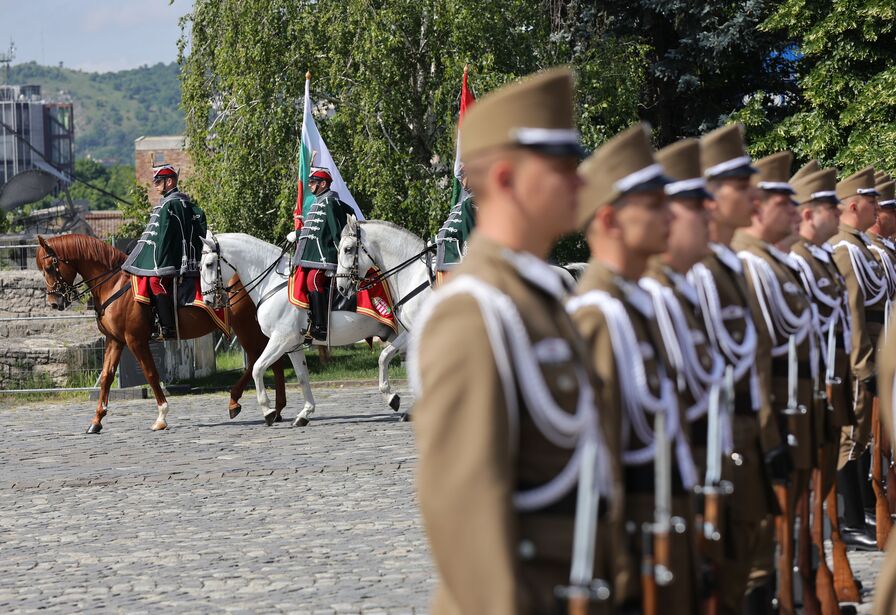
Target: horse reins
{"x": 68, "y": 291}
{"x": 247, "y": 287}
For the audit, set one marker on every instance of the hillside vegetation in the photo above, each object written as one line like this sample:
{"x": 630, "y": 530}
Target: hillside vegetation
{"x": 112, "y": 109}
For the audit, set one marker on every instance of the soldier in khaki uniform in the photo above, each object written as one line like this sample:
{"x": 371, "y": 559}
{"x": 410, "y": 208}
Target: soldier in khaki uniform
{"x": 866, "y": 284}
{"x": 626, "y": 220}
{"x": 505, "y": 408}
{"x": 884, "y": 228}
{"x": 697, "y": 366}
{"x": 819, "y": 219}
{"x": 885, "y": 590}
{"x": 722, "y": 288}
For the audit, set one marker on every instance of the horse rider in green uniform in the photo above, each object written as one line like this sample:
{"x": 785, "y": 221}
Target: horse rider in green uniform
{"x": 170, "y": 246}
{"x": 318, "y": 246}
{"x": 452, "y": 238}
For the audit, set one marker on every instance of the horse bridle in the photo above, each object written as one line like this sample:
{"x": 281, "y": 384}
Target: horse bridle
{"x": 360, "y": 283}
{"x": 69, "y": 292}
{"x": 222, "y": 297}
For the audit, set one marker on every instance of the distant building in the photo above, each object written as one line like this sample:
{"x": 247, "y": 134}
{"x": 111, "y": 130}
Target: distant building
{"x": 151, "y": 152}
{"x": 47, "y": 127}
{"x": 105, "y": 224}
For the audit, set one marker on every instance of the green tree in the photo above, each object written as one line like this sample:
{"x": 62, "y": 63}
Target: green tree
{"x": 386, "y": 76}
{"x": 845, "y": 63}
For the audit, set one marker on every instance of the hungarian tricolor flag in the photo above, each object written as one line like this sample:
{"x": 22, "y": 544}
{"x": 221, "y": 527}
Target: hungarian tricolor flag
{"x": 314, "y": 152}
{"x": 466, "y": 101}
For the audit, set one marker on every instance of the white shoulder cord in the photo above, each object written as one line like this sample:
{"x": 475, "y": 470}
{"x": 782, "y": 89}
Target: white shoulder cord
{"x": 740, "y": 356}
{"x": 777, "y": 313}
{"x": 504, "y": 324}
{"x": 839, "y": 311}
{"x": 682, "y": 348}
{"x": 890, "y": 275}
{"x": 637, "y": 399}
{"x": 873, "y": 287}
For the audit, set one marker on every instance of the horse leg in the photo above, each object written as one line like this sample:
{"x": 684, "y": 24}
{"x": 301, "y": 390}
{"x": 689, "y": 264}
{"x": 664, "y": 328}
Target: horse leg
{"x": 275, "y": 349}
{"x": 279, "y": 389}
{"x": 111, "y": 357}
{"x": 140, "y": 349}
{"x": 391, "y": 399}
{"x": 236, "y": 391}
{"x": 301, "y": 366}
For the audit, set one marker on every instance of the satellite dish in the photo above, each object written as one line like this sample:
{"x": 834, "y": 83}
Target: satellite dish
{"x": 26, "y": 187}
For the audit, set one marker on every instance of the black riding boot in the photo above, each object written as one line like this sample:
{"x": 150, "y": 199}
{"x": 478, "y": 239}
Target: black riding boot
{"x": 165, "y": 311}
{"x": 853, "y": 530}
{"x": 319, "y": 307}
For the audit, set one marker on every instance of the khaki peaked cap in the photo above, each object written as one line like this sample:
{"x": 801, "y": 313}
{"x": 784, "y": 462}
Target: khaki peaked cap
{"x": 536, "y": 111}
{"x": 723, "y": 154}
{"x": 860, "y": 182}
{"x": 818, "y": 186}
{"x": 773, "y": 173}
{"x": 881, "y": 177}
{"x": 807, "y": 169}
{"x": 887, "y": 198}
{"x": 681, "y": 163}
{"x": 624, "y": 164}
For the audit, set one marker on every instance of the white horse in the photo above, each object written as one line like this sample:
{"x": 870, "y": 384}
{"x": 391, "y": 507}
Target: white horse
{"x": 265, "y": 269}
{"x": 402, "y": 259}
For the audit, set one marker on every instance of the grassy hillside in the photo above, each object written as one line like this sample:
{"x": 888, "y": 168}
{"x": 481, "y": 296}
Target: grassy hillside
{"x": 112, "y": 109}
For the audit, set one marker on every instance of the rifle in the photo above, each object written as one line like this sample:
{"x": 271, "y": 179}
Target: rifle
{"x": 648, "y": 572}
{"x": 824, "y": 579}
{"x": 845, "y": 587}
{"x": 662, "y": 510}
{"x": 721, "y": 399}
{"x": 784, "y": 537}
{"x": 583, "y": 588}
{"x": 882, "y": 507}
{"x": 807, "y": 553}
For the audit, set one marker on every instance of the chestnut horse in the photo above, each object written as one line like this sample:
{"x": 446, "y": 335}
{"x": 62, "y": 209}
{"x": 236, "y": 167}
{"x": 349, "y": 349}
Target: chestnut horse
{"x": 127, "y": 322}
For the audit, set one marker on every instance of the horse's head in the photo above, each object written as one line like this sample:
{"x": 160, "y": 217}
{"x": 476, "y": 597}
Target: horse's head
{"x": 59, "y": 276}
{"x": 210, "y": 276}
{"x": 354, "y": 260}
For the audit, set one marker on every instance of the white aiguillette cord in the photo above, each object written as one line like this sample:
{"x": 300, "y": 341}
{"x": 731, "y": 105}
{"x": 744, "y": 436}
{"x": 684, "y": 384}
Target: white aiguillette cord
{"x": 637, "y": 399}
{"x": 874, "y": 286}
{"x": 512, "y": 348}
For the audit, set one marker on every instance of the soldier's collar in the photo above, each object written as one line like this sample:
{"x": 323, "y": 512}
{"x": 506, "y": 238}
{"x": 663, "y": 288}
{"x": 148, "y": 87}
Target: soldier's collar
{"x": 727, "y": 256}
{"x": 536, "y": 272}
{"x": 822, "y": 253}
{"x": 635, "y": 296}
{"x": 682, "y": 285}
{"x": 781, "y": 256}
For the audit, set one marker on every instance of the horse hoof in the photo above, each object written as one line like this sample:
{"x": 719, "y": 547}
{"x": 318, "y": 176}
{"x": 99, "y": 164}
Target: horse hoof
{"x": 235, "y": 411}
{"x": 405, "y": 417}
{"x": 279, "y": 417}
{"x": 94, "y": 428}
{"x": 157, "y": 426}
{"x": 270, "y": 417}
{"x": 300, "y": 421}
{"x": 395, "y": 403}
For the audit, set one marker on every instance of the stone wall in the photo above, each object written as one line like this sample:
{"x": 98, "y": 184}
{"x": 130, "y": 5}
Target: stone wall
{"x": 43, "y": 353}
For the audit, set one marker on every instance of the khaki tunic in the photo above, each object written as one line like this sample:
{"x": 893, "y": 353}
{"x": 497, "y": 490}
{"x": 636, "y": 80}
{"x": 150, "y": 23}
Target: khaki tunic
{"x": 773, "y": 375}
{"x": 867, "y": 324}
{"x": 639, "y": 479}
{"x": 748, "y": 509}
{"x": 885, "y": 592}
{"x": 491, "y": 558}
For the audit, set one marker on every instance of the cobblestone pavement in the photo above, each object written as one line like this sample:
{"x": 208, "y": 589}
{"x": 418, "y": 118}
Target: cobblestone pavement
{"x": 216, "y": 515}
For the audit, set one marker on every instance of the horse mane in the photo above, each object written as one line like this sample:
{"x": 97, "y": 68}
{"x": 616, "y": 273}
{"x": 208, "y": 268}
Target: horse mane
{"x": 85, "y": 247}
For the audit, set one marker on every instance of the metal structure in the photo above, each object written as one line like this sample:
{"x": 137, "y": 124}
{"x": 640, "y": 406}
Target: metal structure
{"x": 35, "y": 134}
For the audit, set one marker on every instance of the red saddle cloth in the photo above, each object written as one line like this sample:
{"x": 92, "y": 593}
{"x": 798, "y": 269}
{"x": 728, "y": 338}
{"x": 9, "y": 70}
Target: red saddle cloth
{"x": 189, "y": 295}
{"x": 375, "y": 302}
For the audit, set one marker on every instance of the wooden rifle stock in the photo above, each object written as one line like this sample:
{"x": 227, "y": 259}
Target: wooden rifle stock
{"x": 811, "y": 604}
{"x": 710, "y": 520}
{"x": 577, "y": 604}
{"x": 887, "y": 450}
{"x": 784, "y": 531}
{"x": 882, "y": 507}
{"x": 844, "y": 580}
{"x": 648, "y": 573}
{"x": 824, "y": 580}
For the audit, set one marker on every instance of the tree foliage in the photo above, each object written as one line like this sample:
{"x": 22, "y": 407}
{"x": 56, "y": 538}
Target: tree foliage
{"x": 846, "y": 71}
{"x": 385, "y": 78}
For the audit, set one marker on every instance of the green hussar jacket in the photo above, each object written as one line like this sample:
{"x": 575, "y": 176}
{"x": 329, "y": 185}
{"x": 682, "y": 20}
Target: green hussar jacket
{"x": 454, "y": 234}
{"x": 319, "y": 240}
{"x": 171, "y": 244}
